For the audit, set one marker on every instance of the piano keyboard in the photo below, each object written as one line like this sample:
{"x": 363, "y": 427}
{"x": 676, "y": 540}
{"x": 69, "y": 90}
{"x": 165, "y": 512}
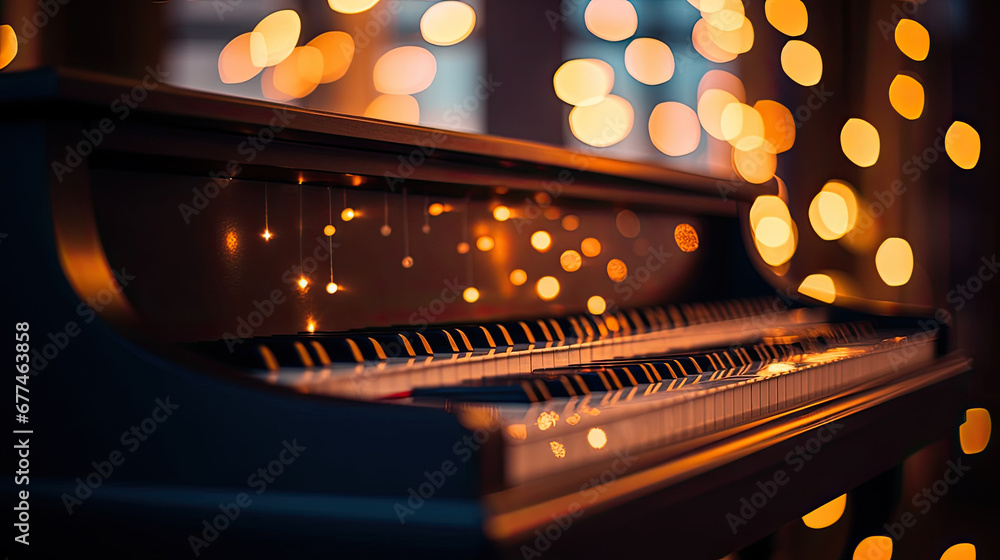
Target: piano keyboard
{"x": 569, "y": 391}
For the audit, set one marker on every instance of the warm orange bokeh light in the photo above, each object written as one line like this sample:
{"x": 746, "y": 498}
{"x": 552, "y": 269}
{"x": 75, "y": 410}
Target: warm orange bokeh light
{"x": 541, "y": 241}
{"x": 470, "y": 295}
{"x": 963, "y": 551}
{"x": 826, "y": 514}
{"x": 518, "y": 277}
{"x": 650, "y": 61}
{"x": 975, "y": 432}
{"x": 894, "y": 261}
{"x": 405, "y": 71}
{"x": 447, "y": 23}
{"x": 963, "y": 145}
{"x": 674, "y": 129}
{"x": 686, "y": 238}
{"x": 878, "y": 548}
{"x": 913, "y": 39}
{"x": 819, "y": 287}
{"x": 278, "y": 33}
{"x": 907, "y": 96}
{"x": 338, "y": 53}
{"x": 394, "y": 108}
{"x": 547, "y": 288}
{"x": 235, "y": 61}
{"x": 300, "y": 73}
{"x": 351, "y": 6}
{"x": 485, "y": 243}
{"x": 590, "y": 247}
{"x": 628, "y": 224}
{"x": 611, "y": 20}
{"x": 742, "y": 126}
{"x": 617, "y": 270}
{"x": 755, "y": 166}
{"x": 570, "y": 260}
{"x": 802, "y": 63}
{"x": 701, "y": 38}
{"x": 583, "y": 82}
{"x": 860, "y": 142}
{"x": 779, "y": 126}
{"x": 596, "y": 305}
{"x": 787, "y": 16}
{"x": 570, "y": 222}
{"x": 711, "y": 105}
{"x": 603, "y": 124}
{"x": 597, "y": 438}
{"x": 8, "y": 47}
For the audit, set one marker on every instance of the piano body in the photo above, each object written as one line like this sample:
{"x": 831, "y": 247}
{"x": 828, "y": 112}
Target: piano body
{"x": 190, "y": 396}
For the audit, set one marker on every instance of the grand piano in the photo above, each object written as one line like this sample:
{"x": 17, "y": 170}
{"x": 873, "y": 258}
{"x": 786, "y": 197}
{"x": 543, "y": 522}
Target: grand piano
{"x": 257, "y": 329}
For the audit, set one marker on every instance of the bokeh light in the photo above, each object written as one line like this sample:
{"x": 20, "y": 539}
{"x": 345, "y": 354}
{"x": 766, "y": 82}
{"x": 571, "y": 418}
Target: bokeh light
{"x": 628, "y": 224}
{"x": 299, "y": 73}
{"x": 894, "y": 261}
{"x": 235, "y": 61}
{"x": 742, "y": 126}
{"x": 674, "y": 129}
{"x": 501, "y": 213}
{"x": 706, "y": 47}
{"x": 395, "y": 108}
{"x": 597, "y": 438}
{"x": 596, "y": 305}
{"x": 8, "y": 47}
{"x": 963, "y": 145}
{"x": 611, "y": 20}
{"x": 547, "y": 288}
{"x": 518, "y": 277}
{"x": 963, "y": 551}
{"x": 802, "y": 63}
{"x": 650, "y": 61}
{"x": 686, "y": 238}
{"x": 755, "y": 166}
{"x": 338, "y": 53}
{"x": 470, "y": 295}
{"x": 603, "y": 124}
{"x": 351, "y": 6}
{"x": 975, "y": 432}
{"x": 405, "y": 71}
{"x": 485, "y": 243}
{"x": 584, "y": 81}
{"x": 820, "y": 287}
{"x": 711, "y": 105}
{"x": 279, "y": 33}
{"x": 860, "y": 142}
{"x": 570, "y": 260}
{"x": 827, "y": 514}
{"x": 907, "y": 96}
{"x": 570, "y": 222}
{"x": 877, "y": 548}
{"x": 447, "y": 23}
{"x": 590, "y": 247}
{"x": 779, "y": 126}
{"x": 541, "y": 241}
{"x": 617, "y": 270}
{"x": 787, "y": 16}
{"x": 913, "y": 39}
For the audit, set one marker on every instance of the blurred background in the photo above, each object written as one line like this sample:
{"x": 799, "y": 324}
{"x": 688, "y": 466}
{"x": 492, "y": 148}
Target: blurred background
{"x": 904, "y": 216}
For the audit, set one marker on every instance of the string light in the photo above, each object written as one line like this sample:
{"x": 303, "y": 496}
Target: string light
{"x": 426, "y": 228}
{"x": 332, "y": 287}
{"x": 303, "y": 281}
{"x": 436, "y": 209}
{"x": 386, "y": 229}
{"x": 348, "y": 213}
{"x": 407, "y": 259}
{"x": 267, "y": 235}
